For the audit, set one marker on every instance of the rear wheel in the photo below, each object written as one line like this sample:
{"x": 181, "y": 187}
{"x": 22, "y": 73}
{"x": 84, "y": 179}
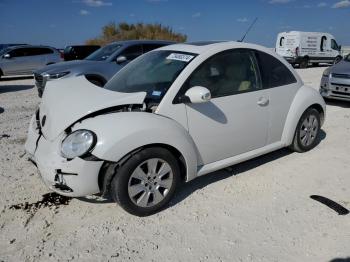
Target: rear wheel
{"x": 146, "y": 182}
{"x": 337, "y": 60}
{"x": 315, "y": 64}
{"x": 307, "y": 132}
{"x": 304, "y": 62}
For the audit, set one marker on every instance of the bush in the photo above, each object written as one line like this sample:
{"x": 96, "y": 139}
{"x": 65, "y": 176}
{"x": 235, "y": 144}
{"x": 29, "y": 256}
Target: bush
{"x": 124, "y": 31}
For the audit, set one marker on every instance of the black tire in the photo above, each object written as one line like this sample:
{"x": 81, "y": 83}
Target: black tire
{"x": 298, "y": 145}
{"x": 304, "y": 63}
{"x": 337, "y": 60}
{"x": 315, "y": 64}
{"x": 120, "y": 181}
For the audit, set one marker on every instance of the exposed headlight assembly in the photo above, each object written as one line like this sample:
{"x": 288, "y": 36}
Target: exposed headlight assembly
{"x": 78, "y": 143}
{"x": 53, "y": 76}
{"x": 327, "y": 72}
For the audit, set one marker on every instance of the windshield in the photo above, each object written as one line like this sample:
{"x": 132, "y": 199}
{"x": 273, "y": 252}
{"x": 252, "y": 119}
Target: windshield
{"x": 347, "y": 58}
{"x": 152, "y": 73}
{"x": 103, "y": 53}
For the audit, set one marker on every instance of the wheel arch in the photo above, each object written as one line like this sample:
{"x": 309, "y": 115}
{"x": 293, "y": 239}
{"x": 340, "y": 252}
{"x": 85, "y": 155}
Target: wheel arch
{"x": 306, "y": 98}
{"x": 106, "y": 175}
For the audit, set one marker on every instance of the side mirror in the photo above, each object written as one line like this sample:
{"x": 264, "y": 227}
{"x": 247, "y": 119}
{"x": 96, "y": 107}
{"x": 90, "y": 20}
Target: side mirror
{"x": 121, "y": 59}
{"x": 198, "y": 94}
{"x": 7, "y": 56}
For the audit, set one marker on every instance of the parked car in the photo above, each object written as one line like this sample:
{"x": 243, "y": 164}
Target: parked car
{"x": 173, "y": 114}
{"x": 3, "y": 46}
{"x": 100, "y": 66}
{"x": 335, "y": 82}
{"x": 23, "y": 60}
{"x": 78, "y": 52}
{"x": 308, "y": 47}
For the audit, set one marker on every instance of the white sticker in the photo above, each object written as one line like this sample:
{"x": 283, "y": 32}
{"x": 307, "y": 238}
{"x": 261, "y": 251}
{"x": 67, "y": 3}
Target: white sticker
{"x": 180, "y": 57}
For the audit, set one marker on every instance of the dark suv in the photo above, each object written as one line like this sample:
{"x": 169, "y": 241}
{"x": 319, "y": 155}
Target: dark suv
{"x": 101, "y": 65}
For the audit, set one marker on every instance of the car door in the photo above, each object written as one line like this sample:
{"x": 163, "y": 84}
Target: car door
{"x": 282, "y": 86}
{"x": 235, "y": 120}
{"x": 15, "y": 63}
{"x": 37, "y": 57}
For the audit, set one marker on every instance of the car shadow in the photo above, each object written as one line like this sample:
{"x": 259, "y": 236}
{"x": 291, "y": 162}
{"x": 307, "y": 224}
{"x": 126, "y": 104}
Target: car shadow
{"x": 189, "y": 188}
{"x": 339, "y": 103}
{"x": 14, "y": 88}
{"x": 347, "y": 259}
{"x": 2, "y": 110}
{"x": 10, "y": 78}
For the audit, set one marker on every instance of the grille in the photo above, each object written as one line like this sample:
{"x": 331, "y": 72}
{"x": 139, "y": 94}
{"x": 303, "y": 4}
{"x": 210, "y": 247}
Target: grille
{"x": 341, "y": 93}
{"x": 345, "y": 76}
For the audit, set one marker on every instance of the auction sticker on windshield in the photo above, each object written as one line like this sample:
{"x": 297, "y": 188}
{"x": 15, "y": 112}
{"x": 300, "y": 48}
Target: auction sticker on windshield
{"x": 180, "y": 57}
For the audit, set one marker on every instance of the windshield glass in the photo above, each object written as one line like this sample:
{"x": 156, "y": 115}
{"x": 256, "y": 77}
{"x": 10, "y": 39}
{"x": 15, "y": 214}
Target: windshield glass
{"x": 152, "y": 73}
{"x": 103, "y": 53}
{"x": 347, "y": 58}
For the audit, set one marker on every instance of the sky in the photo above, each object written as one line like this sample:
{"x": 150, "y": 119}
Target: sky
{"x": 65, "y": 22}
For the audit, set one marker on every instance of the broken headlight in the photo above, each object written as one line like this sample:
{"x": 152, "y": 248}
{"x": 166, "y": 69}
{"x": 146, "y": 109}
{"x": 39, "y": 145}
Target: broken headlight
{"x": 78, "y": 143}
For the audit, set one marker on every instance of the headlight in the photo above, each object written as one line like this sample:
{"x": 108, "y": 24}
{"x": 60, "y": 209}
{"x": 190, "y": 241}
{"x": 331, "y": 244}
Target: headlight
{"x": 327, "y": 72}
{"x": 78, "y": 143}
{"x": 53, "y": 76}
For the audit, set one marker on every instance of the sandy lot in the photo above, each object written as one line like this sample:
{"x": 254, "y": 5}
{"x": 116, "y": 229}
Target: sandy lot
{"x": 261, "y": 210}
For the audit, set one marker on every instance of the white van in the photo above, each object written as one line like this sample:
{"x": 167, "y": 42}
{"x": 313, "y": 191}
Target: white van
{"x": 308, "y": 47}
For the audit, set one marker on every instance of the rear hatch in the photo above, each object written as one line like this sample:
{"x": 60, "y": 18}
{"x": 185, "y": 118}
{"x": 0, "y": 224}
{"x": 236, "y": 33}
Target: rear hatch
{"x": 286, "y": 45}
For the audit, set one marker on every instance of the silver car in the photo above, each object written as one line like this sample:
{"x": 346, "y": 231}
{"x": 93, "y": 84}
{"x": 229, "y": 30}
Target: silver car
{"x": 24, "y": 60}
{"x": 101, "y": 65}
{"x": 335, "y": 83}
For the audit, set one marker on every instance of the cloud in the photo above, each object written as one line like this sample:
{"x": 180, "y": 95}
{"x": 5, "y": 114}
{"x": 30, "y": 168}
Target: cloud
{"x": 84, "y": 12}
{"x": 322, "y": 4}
{"x": 279, "y": 1}
{"x": 342, "y": 4}
{"x": 196, "y": 15}
{"x": 96, "y": 3}
{"x": 242, "y": 20}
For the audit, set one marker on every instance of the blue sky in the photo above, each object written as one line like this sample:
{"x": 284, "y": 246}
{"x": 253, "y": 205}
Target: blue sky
{"x": 64, "y": 22}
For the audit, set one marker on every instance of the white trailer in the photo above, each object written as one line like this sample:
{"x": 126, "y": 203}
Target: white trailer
{"x": 304, "y": 48}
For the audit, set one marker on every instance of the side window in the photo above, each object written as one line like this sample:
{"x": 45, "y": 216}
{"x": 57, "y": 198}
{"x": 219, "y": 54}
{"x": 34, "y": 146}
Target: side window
{"x": 43, "y": 51}
{"x": 132, "y": 52}
{"x": 150, "y": 47}
{"x": 334, "y": 45}
{"x": 228, "y": 73}
{"x": 323, "y": 43}
{"x": 17, "y": 52}
{"x": 273, "y": 72}
{"x": 282, "y": 41}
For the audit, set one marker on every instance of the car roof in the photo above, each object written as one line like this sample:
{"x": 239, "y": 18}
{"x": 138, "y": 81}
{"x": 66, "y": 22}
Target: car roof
{"x": 133, "y": 42}
{"x": 204, "y": 46}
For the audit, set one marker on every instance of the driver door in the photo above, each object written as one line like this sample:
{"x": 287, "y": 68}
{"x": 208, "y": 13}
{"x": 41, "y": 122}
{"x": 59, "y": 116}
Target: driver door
{"x": 235, "y": 120}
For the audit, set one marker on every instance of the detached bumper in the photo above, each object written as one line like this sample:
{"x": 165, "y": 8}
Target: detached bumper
{"x": 75, "y": 178}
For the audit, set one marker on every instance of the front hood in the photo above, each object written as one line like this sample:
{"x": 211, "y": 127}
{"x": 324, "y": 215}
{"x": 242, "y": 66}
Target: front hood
{"x": 65, "y": 101}
{"x": 66, "y": 66}
{"x": 343, "y": 67}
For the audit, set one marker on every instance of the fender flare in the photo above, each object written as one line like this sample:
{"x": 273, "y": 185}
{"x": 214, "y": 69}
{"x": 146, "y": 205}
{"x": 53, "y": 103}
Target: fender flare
{"x": 119, "y": 134}
{"x": 305, "y": 98}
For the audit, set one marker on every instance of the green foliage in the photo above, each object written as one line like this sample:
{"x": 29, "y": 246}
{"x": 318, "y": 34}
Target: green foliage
{"x": 124, "y": 31}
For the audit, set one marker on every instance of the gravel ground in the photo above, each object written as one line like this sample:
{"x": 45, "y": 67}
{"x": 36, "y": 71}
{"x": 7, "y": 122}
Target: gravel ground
{"x": 260, "y": 210}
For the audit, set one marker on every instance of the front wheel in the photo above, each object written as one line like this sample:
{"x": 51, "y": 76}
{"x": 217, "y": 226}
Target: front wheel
{"x": 304, "y": 63}
{"x": 146, "y": 182}
{"x": 307, "y": 132}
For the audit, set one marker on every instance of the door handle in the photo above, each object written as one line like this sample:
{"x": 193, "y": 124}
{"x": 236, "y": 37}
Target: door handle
{"x": 263, "y": 101}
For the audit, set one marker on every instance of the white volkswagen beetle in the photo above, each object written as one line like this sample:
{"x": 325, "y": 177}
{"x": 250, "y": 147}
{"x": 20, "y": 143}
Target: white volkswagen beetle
{"x": 173, "y": 114}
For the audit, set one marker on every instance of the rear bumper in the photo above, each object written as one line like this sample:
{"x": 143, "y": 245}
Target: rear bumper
{"x": 335, "y": 88}
{"x": 75, "y": 178}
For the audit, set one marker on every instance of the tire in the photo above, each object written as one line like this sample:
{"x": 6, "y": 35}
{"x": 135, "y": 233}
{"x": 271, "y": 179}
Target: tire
{"x": 304, "y": 63}
{"x": 337, "y": 60}
{"x": 307, "y": 131}
{"x": 143, "y": 192}
{"x": 315, "y": 64}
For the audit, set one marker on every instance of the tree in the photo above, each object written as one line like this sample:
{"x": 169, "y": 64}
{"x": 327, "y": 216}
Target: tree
{"x": 124, "y": 31}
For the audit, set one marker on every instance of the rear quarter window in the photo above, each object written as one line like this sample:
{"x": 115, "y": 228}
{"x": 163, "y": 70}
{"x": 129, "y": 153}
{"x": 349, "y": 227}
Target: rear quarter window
{"x": 273, "y": 72}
